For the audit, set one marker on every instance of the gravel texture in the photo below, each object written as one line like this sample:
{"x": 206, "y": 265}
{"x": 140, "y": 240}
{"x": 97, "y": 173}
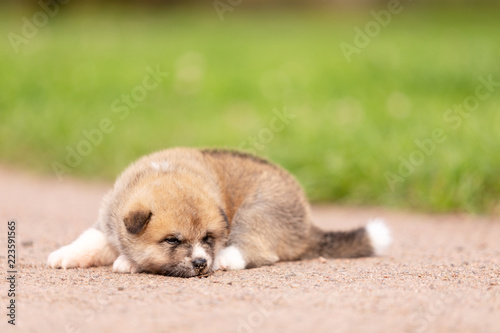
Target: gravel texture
{"x": 442, "y": 274}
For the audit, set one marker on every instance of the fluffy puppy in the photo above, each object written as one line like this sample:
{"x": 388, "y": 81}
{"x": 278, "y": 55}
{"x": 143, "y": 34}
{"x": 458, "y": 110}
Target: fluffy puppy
{"x": 186, "y": 212}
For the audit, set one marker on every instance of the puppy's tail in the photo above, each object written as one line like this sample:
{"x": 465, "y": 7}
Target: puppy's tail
{"x": 373, "y": 239}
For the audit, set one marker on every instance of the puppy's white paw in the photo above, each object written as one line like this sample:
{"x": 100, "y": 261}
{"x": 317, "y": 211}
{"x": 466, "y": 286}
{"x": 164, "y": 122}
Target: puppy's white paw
{"x": 229, "y": 258}
{"x": 68, "y": 257}
{"x": 90, "y": 249}
{"x": 123, "y": 265}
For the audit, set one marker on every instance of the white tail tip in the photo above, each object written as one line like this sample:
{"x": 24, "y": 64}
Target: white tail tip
{"x": 380, "y": 235}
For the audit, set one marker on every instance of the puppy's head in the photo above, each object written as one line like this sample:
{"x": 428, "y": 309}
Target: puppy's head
{"x": 172, "y": 228}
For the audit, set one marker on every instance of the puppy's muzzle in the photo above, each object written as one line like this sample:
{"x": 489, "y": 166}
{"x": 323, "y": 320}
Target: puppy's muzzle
{"x": 199, "y": 264}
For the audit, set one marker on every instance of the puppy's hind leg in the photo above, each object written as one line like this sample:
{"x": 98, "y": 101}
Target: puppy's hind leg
{"x": 247, "y": 247}
{"x": 230, "y": 258}
{"x": 91, "y": 248}
{"x": 241, "y": 255}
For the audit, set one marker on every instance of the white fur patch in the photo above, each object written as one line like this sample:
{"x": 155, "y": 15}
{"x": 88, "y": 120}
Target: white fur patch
{"x": 123, "y": 265}
{"x": 162, "y": 166}
{"x": 380, "y": 235}
{"x": 199, "y": 252}
{"x": 91, "y": 248}
{"x": 229, "y": 258}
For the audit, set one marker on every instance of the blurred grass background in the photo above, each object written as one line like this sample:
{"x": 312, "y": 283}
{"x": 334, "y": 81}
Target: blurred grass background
{"x": 353, "y": 120}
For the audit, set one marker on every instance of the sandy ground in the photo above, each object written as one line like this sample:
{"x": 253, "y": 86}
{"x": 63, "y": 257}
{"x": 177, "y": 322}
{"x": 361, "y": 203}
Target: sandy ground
{"x": 442, "y": 274}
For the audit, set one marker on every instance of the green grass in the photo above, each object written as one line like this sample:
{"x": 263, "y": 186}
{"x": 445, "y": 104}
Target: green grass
{"x": 353, "y": 121}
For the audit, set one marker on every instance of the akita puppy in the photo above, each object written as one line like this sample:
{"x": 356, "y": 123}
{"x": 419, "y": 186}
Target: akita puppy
{"x": 187, "y": 212}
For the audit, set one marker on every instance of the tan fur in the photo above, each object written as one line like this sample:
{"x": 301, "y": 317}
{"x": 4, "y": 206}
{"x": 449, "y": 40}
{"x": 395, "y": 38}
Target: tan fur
{"x": 209, "y": 200}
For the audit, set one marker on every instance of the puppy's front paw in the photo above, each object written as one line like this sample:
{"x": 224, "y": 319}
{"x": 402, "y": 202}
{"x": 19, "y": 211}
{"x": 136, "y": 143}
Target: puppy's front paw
{"x": 123, "y": 265}
{"x": 68, "y": 257}
{"x": 229, "y": 258}
{"x": 90, "y": 249}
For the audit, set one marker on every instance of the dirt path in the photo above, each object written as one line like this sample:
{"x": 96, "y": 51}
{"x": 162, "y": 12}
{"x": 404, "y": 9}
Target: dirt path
{"x": 442, "y": 275}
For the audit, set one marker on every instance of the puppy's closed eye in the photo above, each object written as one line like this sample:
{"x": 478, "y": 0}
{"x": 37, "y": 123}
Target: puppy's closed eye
{"x": 209, "y": 238}
{"x": 172, "y": 241}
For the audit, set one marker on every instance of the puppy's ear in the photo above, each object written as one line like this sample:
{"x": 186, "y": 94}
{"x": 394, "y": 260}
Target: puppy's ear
{"x": 137, "y": 219}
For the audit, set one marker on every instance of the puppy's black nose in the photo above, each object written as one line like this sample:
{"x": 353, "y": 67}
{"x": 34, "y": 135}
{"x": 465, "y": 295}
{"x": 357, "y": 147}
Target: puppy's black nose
{"x": 200, "y": 263}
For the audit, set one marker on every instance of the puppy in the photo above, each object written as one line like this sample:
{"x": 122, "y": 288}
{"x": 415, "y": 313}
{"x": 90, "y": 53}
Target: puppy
{"x": 187, "y": 212}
